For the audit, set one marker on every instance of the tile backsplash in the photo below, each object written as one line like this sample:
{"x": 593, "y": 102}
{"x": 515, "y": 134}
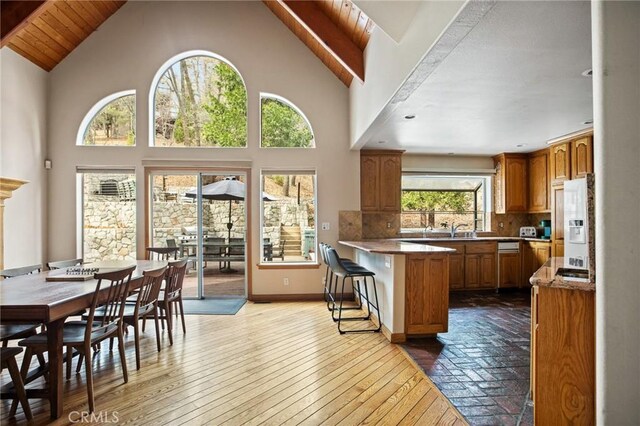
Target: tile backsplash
{"x": 356, "y": 225}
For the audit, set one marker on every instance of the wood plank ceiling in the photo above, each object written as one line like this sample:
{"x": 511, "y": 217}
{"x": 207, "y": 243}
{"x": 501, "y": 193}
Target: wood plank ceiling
{"x": 45, "y": 32}
{"x": 336, "y": 31}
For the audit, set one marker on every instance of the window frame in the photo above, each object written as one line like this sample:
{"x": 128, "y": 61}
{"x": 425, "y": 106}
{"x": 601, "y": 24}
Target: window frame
{"x": 96, "y": 109}
{"x": 314, "y": 264}
{"x": 80, "y": 172}
{"x": 291, "y": 105}
{"x": 154, "y": 85}
{"x": 486, "y": 197}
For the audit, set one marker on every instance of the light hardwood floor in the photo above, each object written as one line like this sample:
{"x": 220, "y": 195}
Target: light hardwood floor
{"x": 277, "y": 363}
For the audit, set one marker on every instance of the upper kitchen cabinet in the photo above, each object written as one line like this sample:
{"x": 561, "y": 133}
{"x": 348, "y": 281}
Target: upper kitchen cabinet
{"x": 560, "y": 163}
{"x": 380, "y": 181}
{"x": 511, "y": 183}
{"x": 539, "y": 181}
{"x": 581, "y": 157}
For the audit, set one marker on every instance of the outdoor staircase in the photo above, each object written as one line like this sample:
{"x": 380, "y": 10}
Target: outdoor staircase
{"x": 293, "y": 240}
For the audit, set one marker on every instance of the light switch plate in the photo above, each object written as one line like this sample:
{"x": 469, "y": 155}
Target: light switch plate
{"x": 325, "y": 226}
{"x": 387, "y": 261}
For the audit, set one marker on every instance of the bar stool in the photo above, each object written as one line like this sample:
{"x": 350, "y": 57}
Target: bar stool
{"x": 353, "y": 272}
{"x": 329, "y": 292}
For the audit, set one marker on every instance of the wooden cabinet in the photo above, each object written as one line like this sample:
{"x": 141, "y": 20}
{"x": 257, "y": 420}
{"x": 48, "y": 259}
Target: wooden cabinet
{"x": 534, "y": 255}
{"x": 539, "y": 181}
{"x": 511, "y": 183}
{"x": 456, "y": 264}
{"x": 480, "y": 265}
{"x": 560, "y": 163}
{"x": 380, "y": 181}
{"x": 509, "y": 270}
{"x": 557, "y": 220}
{"x": 563, "y": 356}
{"x": 426, "y": 294}
{"x": 581, "y": 157}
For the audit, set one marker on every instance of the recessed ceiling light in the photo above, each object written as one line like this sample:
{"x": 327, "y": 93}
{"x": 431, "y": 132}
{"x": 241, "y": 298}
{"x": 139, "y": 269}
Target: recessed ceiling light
{"x": 588, "y": 121}
{"x": 450, "y": 153}
{"x": 382, "y": 141}
{"x": 587, "y": 73}
{"x": 520, "y": 145}
{"x": 409, "y": 117}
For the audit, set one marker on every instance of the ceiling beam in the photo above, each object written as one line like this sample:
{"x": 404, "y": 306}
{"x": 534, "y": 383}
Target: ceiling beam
{"x": 328, "y": 34}
{"x": 14, "y": 15}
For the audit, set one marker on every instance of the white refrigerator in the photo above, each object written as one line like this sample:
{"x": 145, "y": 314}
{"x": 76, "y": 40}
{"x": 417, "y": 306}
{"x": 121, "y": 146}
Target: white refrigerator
{"x": 576, "y": 225}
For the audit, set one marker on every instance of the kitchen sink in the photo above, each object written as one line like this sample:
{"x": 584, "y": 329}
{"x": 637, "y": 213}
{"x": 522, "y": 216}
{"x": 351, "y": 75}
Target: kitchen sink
{"x": 574, "y": 274}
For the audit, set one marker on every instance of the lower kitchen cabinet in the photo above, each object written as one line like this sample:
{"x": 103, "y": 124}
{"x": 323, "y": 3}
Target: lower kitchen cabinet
{"x": 510, "y": 270}
{"x": 534, "y": 255}
{"x": 563, "y": 356}
{"x": 426, "y": 294}
{"x": 472, "y": 266}
{"x": 456, "y": 271}
{"x": 480, "y": 271}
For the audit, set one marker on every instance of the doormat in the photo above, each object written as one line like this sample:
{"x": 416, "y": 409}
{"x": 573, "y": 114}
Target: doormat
{"x": 213, "y": 306}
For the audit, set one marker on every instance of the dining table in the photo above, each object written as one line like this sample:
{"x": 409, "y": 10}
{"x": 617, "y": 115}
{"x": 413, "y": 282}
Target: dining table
{"x": 31, "y": 298}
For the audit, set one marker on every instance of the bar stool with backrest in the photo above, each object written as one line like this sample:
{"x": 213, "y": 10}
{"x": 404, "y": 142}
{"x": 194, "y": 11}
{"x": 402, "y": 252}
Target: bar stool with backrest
{"x": 109, "y": 301}
{"x": 171, "y": 297}
{"x": 329, "y": 291}
{"x": 162, "y": 253}
{"x": 354, "y": 271}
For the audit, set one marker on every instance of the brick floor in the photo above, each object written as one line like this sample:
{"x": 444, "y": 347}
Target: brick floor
{"x": 482, "y": 363}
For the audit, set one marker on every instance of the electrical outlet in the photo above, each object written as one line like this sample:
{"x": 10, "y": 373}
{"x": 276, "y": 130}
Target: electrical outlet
{"x": 286, "y": 281}
{"x": 325, "y": 226}
{"x": 501, "y": 225}
{"x": 388, "y": 225}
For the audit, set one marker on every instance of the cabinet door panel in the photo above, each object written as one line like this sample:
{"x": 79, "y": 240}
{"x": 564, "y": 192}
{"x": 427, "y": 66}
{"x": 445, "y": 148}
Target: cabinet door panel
{"x": 427, "y": 294}
{"x": 557, "y": 213}
{"x": 472, "y": 271}
{"x": 581, "y": 157}
{"x": 557, "y": 249}
{"x": 369, "y": 183}
{"x": 456, "y": 271}
{"x": 560, "y": 163}
{"x": 488, "y": 271}
{"x": 516, "y": 185}
{"x": 509, "y": 264}
{"x": 390, "y": 183}
{"x": 538, "y": 182}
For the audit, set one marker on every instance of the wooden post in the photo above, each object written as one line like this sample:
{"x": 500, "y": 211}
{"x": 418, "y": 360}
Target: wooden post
{"x": 7, "y": 186}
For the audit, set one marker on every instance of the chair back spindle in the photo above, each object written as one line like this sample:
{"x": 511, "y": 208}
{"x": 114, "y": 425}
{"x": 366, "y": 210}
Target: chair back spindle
{"x": 175, "y": 278}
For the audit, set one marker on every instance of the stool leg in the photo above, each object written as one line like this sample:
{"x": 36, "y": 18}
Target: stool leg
{"x": 340, "y": 309}
{"x": 366, "y": 292}
{"x": 377, "y": 305}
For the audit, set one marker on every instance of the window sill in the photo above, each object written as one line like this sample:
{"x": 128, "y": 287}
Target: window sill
{"x": 307, "y": 265}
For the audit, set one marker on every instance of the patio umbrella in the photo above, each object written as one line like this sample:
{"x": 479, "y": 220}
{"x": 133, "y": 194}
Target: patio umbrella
{"x": 228, "y": 189}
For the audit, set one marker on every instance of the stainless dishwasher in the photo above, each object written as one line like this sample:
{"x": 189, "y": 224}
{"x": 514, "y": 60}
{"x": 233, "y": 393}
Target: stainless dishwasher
{"x": 503, "y": 248}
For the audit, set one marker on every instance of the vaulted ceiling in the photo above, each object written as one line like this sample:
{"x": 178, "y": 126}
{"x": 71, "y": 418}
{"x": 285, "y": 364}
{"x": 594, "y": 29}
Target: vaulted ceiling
{"x": 45, "y": 32}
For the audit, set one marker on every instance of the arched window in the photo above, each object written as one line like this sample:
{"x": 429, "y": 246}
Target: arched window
{"x": 283, "y": 125}
{"x": 111, "y": 122}
{"x": 198, "y": 99}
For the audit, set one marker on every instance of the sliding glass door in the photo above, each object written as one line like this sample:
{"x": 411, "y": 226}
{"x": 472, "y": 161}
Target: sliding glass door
{"x": 203, "y": 216}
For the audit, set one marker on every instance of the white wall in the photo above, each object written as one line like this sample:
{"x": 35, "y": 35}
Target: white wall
{"x": 23, "y": 119}
{"x": 125, "y": 54}
{"x": 388, "y": 64}
{"x": 447, "y": 163}
{"x": 616, "y": 96}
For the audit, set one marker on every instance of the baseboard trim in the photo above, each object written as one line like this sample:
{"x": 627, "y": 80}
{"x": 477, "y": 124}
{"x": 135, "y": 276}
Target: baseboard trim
{"x": 303, "y": 297}
{"x": 391, "y": 337}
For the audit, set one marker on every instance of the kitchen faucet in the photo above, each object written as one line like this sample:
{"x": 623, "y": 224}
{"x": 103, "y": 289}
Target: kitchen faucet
{"x": 455, "y": 228}
{"x": 426, "y": 228}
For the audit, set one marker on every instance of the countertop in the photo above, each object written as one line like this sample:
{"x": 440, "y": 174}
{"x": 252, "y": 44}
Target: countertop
{"x": 394, "y": 246}
{"x": 546, "y": 277}
{"x": 449, "y": 239}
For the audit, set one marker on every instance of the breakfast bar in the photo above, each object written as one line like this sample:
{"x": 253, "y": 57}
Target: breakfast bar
{"x": 413, "y": 282}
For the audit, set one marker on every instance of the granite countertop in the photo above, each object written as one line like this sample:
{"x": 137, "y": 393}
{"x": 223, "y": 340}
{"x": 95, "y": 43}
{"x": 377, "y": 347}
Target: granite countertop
{"x": 546, "y": 277}
{"x": 449, "y": 239}
{"x": 393, "y": 246}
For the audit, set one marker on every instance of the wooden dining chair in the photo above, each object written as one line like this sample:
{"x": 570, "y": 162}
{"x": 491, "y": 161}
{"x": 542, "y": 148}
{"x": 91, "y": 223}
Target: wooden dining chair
{"x": 171, "y": 297}
{"x": 146, "y": 305}
{"x": 24, "y": 270}
{"x": 105, "y": 320}
{"x": 8, "y": 360}
{"x": 60, "y": 264}
{"x": 162, "y": 253}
